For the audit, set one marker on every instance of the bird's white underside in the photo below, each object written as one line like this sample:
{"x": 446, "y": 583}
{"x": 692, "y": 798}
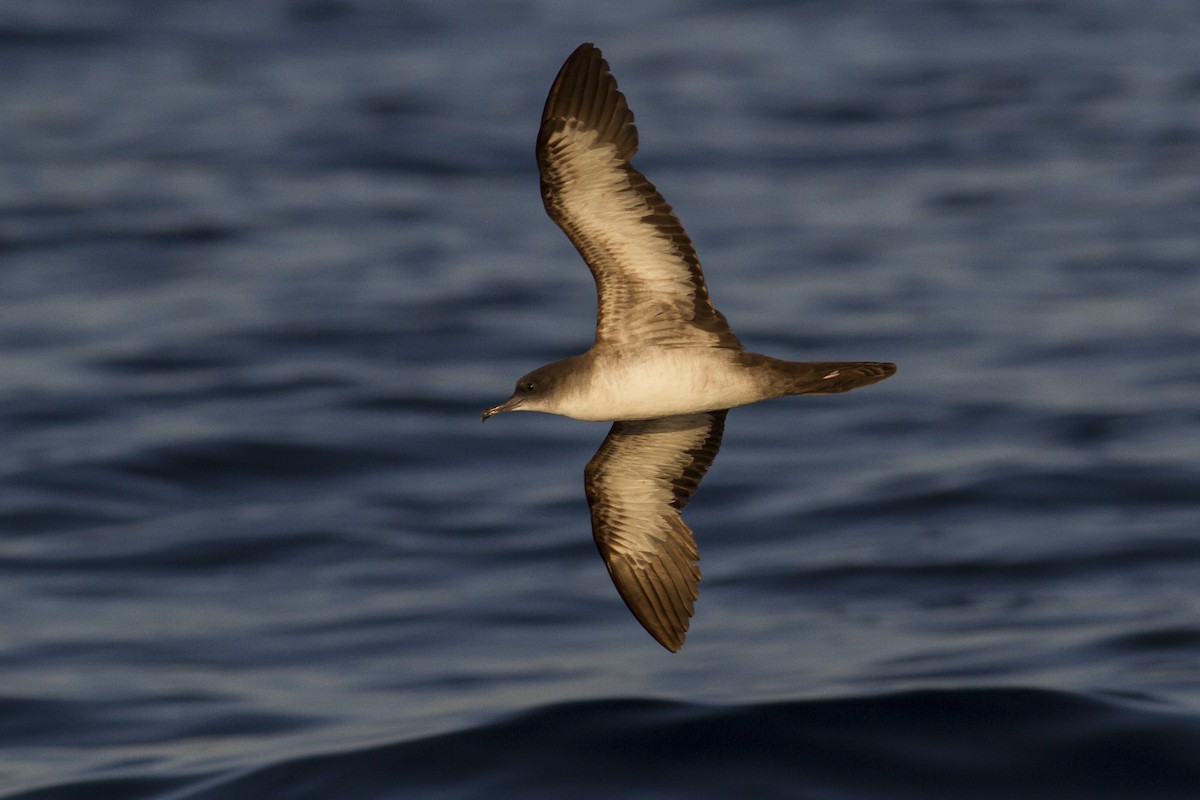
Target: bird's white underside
{"x": 662, "y": 382}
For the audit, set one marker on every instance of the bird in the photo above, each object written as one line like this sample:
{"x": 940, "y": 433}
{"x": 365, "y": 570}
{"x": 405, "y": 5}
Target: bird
{"x": 665, "y": 366}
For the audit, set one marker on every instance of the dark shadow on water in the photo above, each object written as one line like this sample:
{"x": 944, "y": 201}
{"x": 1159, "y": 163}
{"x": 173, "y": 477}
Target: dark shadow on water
{"x": 984, "y": 743}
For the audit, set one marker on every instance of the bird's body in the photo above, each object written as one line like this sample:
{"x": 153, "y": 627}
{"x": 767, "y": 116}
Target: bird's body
{"x": 643, "y": 383}
{"x": 665, "y": 366}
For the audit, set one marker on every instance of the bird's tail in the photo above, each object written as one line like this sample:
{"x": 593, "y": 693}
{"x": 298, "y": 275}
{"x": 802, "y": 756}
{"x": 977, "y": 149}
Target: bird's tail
{"x": 829, "y": 377}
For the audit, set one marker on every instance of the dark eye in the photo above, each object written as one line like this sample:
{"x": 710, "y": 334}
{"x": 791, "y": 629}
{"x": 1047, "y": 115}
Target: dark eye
{"x": 525, "y": 386}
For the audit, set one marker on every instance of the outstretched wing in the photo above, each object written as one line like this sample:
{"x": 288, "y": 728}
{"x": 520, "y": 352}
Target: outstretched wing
{"x": 637, "y": 483}
{"x": 651, "y": 290}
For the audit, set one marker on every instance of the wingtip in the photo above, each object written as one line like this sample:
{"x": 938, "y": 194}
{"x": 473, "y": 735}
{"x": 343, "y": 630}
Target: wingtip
{"x": 670, "y": 633}
{"x": 586, "y": 91}
{"x": 670, "y": 640}
{"x": 673, "y": 647}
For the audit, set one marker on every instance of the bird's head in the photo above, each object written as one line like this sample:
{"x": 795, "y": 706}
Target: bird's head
{"x": 535, "y": 391}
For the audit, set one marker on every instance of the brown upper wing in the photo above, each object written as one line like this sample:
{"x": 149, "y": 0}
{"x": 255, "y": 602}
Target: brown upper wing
{"x": 637, "y": 483}
{"x": 650, "y": 286}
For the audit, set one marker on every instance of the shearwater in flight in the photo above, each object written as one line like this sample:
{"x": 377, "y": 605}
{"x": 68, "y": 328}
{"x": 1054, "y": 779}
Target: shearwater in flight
{"x": 665, "y": 367}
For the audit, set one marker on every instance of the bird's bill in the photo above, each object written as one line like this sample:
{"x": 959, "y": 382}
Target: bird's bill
{"x": 510, "y": 404}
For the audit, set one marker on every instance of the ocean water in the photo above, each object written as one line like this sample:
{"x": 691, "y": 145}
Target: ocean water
{"x": 262, "y": 264}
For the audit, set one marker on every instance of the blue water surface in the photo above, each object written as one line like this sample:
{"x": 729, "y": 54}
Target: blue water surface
{"x": 262, "y": 264}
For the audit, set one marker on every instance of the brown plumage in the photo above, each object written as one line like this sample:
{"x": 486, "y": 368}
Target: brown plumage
{"x": 665, "y": 364}
{"x": 648, "y": 470}
{"x": 584, "y": 145}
